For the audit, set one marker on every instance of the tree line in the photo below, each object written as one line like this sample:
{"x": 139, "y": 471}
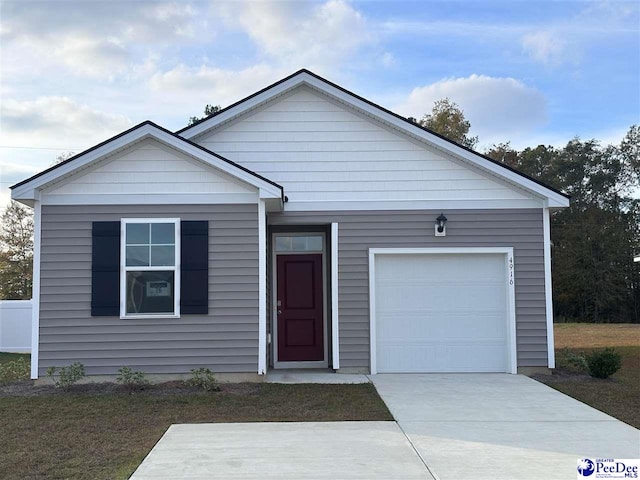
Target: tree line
{"x": 593, "y": 241}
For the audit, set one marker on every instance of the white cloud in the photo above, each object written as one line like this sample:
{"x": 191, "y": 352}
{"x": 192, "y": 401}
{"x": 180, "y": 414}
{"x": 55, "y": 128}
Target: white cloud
{"x": 497, "y": 108}
{"x": 14, "y": 167}
{"x": 93, "y": 39}
{"x": 545, "y": 47}
{"x": 196, "y": 86}
{"x": 56, "y": 122}
{"x": 43, "y": 129}
{"x": 388, "y": 60}
{"x": 93, "y": 57}
{"x": 609, "y": 12}
{"x": 300, "y": 34}
{"x": 11, "y": 173}
{"x": 167, "y": 22}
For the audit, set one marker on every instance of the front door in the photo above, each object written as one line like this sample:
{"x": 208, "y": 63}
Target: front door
{"x": 300, "y": 308}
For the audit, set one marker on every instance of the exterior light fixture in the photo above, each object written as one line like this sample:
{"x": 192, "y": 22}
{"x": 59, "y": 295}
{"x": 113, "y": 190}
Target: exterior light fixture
{"x": 440, "y": 226}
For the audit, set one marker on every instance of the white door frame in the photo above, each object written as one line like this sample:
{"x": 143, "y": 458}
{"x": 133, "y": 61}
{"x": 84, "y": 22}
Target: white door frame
{"x": 512, "y": 360}
{"x": 324, "y": 363}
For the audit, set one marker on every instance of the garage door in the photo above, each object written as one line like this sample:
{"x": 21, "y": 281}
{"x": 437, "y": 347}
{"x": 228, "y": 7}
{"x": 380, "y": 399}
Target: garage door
{"x": 441, "y": 313}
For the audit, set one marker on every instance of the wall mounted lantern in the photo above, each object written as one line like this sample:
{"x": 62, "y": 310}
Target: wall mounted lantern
{"x": 440, "y": 226}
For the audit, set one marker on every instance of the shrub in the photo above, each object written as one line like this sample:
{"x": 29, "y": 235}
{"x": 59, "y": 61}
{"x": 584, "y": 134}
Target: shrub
{"x": 15, "y": 371}
{"x": 68, "y": 375}
{"x": 204, "y": 379}
{"x": 568, "y": 358}
{"x": 131, "y": 380}
{"x": 603, "y": 363}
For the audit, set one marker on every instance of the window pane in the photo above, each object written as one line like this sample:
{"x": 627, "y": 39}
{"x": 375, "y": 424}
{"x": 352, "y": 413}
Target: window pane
{"x": 137, "y": 256}
{"x": 137, "y": 233}
{"x": 163, "y": 256}
{"x": 299, "y": 244}
{"x": 283, "y": 244}
{"x": 314, "y": 243}
{"x": 150, "y": 292}
{"x": 163, "y": 233}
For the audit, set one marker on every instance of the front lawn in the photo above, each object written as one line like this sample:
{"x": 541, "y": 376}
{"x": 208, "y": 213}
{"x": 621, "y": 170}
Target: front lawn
{"x": 10, "y": 357}
{"x": 96, "y": 435}
{"x": 618, "y": 395}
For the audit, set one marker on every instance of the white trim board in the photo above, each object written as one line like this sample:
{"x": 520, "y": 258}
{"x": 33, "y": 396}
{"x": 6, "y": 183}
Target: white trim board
{"x": 394, "y": 204}
{"x": 262, "y": 288}
{"x": 335, "y": 333}
{"x": 150, "y": 199}
{"x": 548, "y": 290}
{"x": 553, "y": 199}
{"x": 35, "y": 295}
{"x": 512, "y": 361}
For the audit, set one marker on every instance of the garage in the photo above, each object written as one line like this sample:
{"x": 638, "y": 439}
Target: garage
{"x": 442, "y": 310}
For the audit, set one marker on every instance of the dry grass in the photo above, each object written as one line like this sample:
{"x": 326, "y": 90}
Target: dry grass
{"x": 98, "y": 436}
{"x": 618, "y": 395}
{"x": 596, "y": 335}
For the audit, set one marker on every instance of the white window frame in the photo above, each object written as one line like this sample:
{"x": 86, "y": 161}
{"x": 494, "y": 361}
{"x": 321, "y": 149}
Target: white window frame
{"x": 124, "y": 269}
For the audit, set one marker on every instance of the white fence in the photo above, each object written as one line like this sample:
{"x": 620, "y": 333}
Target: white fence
{"x": 15, "y": 326}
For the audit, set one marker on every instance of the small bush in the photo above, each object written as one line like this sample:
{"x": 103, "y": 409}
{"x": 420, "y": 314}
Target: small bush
{"x": 604, "y": 363}
{"x": 131, "y": 380}
{"x": 68, "y": 376}
{"x": 204, "y": 379}
{"x": 15, "y": 371}
{"x": 577, "y": 360}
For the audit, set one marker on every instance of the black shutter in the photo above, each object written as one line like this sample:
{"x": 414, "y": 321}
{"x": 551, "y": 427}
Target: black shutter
{"x": 194, "y": 269}
{"x": 105, "y": 269}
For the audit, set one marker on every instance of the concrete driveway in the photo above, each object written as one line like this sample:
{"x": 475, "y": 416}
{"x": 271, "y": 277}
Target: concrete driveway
{"x": 283, "y": 451}
{"x": 448, "y": 427}
{"x": 499, "y": 426}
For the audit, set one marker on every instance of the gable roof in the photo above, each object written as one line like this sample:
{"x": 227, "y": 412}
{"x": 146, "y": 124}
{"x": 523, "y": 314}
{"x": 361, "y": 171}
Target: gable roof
{"x": 554, "y": 197}
{"x": 147, "y": 129}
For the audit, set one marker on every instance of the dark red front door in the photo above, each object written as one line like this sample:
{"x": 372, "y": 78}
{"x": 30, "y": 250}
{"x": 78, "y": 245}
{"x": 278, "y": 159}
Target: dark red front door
{"x": 300, "y": 325}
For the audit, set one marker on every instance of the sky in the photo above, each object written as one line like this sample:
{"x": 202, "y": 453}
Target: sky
{"x": 74, "y": 73}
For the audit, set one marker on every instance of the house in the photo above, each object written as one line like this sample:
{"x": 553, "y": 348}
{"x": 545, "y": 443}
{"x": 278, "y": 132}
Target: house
{"x": 301, "y": 227}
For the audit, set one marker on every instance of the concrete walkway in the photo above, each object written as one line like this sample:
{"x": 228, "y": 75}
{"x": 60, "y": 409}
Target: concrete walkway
{"x": 499, "y": 426}
{"x": 283, "y": 451}
{"x": 301, "y": 376}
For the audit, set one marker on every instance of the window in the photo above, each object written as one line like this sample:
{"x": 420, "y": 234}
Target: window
{"x": 150, "y": 273}
{"x": 299, "y": 243}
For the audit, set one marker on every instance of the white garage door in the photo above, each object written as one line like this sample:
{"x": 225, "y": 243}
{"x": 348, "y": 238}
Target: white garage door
{"x": 441, "y": 313}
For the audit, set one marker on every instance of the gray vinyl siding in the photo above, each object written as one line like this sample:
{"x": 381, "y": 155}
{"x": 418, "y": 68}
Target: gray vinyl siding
{"x": 361, "y": 230}
{"x": 226, "y": 340}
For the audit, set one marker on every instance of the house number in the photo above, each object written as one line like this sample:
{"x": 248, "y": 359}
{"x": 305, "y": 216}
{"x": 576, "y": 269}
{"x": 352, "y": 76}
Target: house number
{"x": 510, "y": 270}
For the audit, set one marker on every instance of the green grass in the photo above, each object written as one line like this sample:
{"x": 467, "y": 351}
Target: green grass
{"x": 10, "y": 357}
{"x": 618, "y": 395}
{"x": 82, "y": 436}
